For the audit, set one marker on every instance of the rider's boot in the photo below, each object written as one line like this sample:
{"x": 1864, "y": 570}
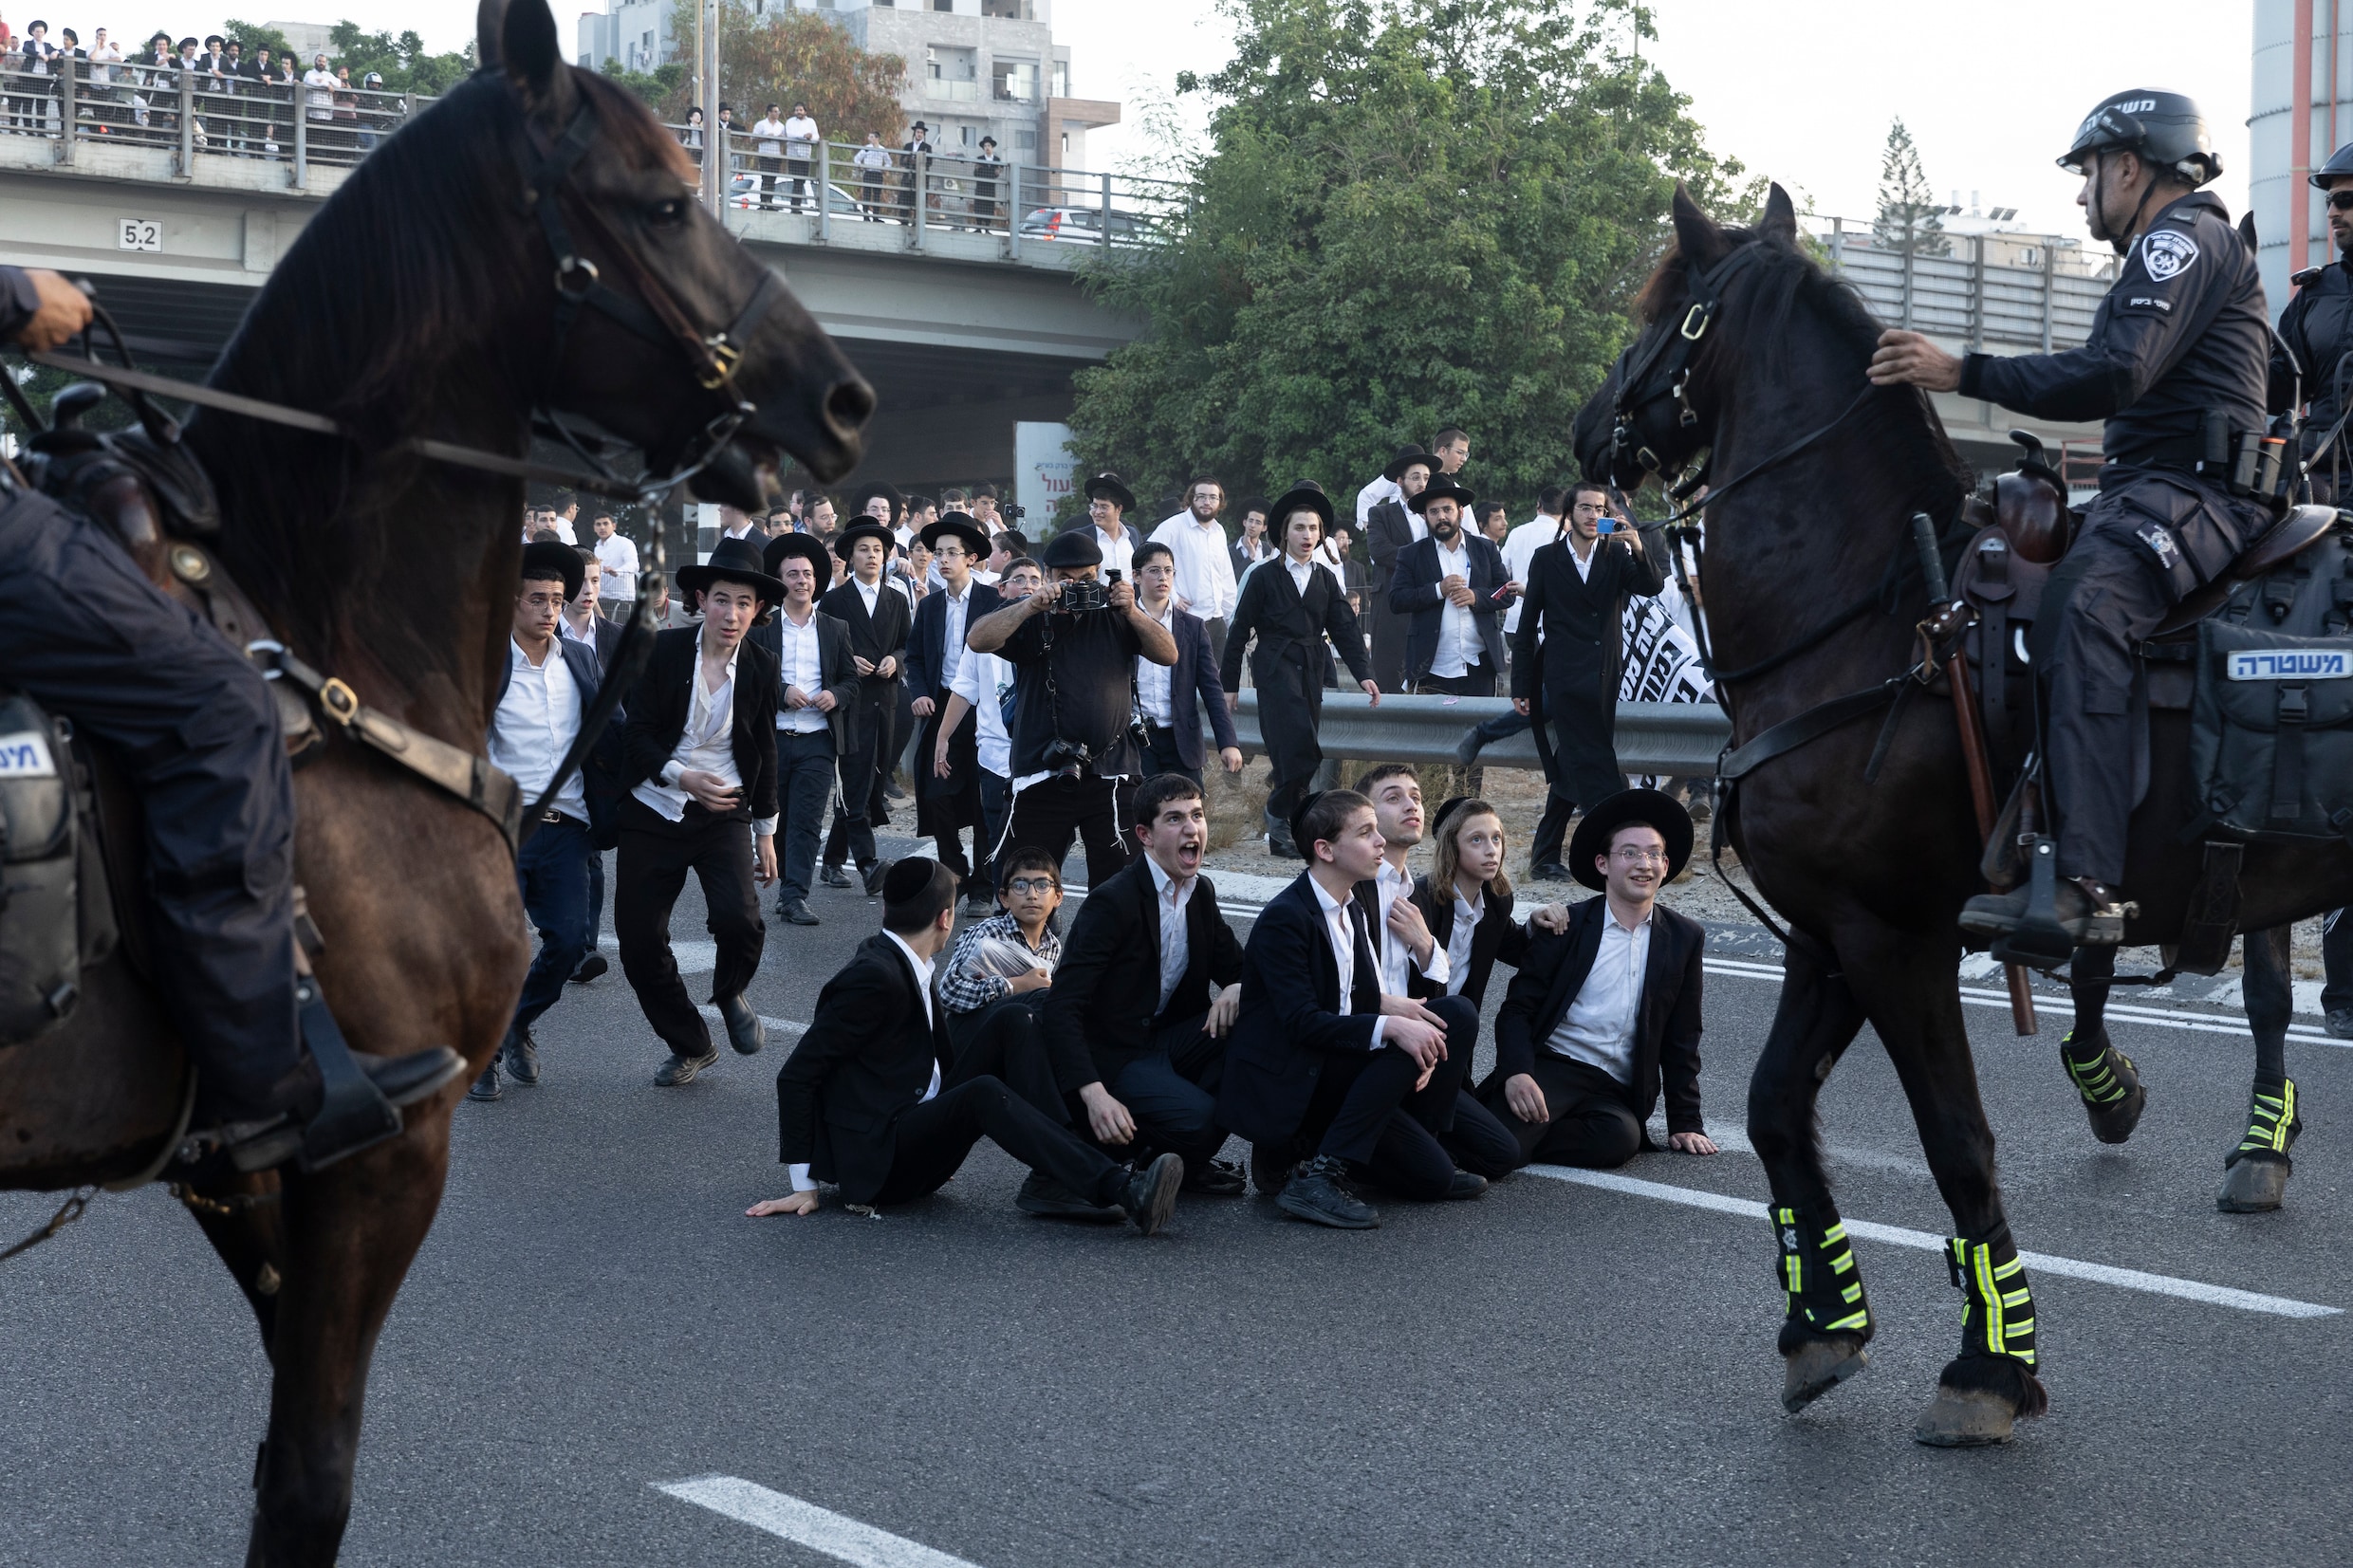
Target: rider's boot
{"x": 2043, "y": 923}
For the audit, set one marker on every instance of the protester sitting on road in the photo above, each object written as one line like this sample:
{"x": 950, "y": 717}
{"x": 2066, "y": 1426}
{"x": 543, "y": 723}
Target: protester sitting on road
{"x": 864, "y": 1098}
{"x": 1595, "y": 1022}
{"x": 1148, "y": 991}
{"x": 985, "y": 965}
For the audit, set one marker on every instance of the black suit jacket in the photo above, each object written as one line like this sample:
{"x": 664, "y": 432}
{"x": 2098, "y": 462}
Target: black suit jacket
{"x": 1413, "y": 591}
{"x": 930, "y": 662}
{"x": 1666, "y": 1029}
{"x": 658, "y": 707}
{"x": 1582, "y": 619}
{"x": 1497, "y": 936}
{"x": 608, "y": 636}
{"x": 1291, "y": 1019}
{"x": 1290, "y": 627}
{"x": 1194, "y": 687}
{"x": 875, "y": 638}
{"x": 835, "y": 672}
{"x": 1104, "y": 1004}
{"x": 864, "y": 1063}
{"x": 1388, "y": 529}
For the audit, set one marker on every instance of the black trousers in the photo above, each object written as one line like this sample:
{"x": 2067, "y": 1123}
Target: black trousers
{"x": 1051, "y": 812}
{"x": 864, "y": 767}
{"x": 806, "y": 768}
{"x": 655, "y": 855}
{"x": 1389, "y": 633}
{"x": 2337, "y": 963}
{"x": 1290, "y": 709}
{"x": 1479, "y": 1141}
{"x": 1161, "y": 756}
{"x": 1552, "y": 828}
{"x": 931, "y": 1142}
{"x": 195, "y": 729}
{"x": 1172, "y": 1090}
{"x": 1366, "y": 1111}
{"x": 1003, "y": 1040}
{"x": 1592, "y": 1124}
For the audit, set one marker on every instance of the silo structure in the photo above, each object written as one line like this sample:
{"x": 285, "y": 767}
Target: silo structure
{"x": 2301, "y": 110}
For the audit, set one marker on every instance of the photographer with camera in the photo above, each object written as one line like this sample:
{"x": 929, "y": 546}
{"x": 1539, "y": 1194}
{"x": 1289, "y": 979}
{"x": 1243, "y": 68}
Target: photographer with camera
{"x": 1074, "y": 643}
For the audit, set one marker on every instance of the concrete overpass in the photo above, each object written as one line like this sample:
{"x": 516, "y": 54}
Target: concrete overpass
{"x": 961, "y": 333}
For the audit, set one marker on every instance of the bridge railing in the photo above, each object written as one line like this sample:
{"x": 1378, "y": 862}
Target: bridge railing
{"x": 195, "y": 113}
{"x": 2031, "y": 292}
{"x": 843, "y": 182}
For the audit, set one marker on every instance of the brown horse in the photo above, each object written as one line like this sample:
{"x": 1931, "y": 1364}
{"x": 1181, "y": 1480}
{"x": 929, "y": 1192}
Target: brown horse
{"x": 421, "y": 302}
{"x": 1870, "y": 876}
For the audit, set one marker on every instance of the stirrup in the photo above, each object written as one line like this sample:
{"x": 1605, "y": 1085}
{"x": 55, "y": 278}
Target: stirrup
{"x": 354, "y": 1114}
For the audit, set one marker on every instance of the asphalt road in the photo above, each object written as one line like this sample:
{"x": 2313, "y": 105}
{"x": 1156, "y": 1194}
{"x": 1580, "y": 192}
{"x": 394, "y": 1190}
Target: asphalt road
{"x": 1557, "y": 1373}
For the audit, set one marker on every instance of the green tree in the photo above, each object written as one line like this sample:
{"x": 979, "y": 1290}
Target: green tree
{"x": 402, "y": 61}
{"x": 789, "y": 57}
{"x": 253, "y": 35}
{"x": 1910, "y": 217}
{"x": 657, "y": 86}
{"x": 1413, "y": 214}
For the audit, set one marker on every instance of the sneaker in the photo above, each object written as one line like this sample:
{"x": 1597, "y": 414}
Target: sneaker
{"x": 681, "y": 1069}
{"x": 1318, "y": 1193}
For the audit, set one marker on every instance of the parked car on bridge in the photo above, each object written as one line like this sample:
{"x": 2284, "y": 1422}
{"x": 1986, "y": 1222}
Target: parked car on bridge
{"x": 1083, "y": 225}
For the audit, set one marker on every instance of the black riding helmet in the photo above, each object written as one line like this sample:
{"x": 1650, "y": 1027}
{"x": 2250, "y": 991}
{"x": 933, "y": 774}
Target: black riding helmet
{"x": 2340, "y": 166}
{"x": 2165, "y": 129}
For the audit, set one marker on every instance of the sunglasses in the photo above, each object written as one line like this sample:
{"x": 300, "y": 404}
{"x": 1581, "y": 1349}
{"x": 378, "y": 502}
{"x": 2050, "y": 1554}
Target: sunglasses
{"x": 2340, "y": 201}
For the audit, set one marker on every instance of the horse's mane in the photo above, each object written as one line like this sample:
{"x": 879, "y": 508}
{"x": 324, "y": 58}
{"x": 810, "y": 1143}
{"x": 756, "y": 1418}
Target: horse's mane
{"x": 415, "y": 274}
{"x": 1763, "y": 300}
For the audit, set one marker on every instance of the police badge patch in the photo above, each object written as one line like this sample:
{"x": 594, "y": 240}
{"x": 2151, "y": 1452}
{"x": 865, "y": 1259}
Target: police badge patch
{"x": 2167, "y": 253}
{"x": 2160, "y": 539}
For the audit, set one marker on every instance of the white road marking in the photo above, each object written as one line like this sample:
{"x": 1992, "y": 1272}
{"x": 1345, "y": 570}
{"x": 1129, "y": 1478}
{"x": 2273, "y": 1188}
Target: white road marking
{"x": 693, "y": 957}
{"x": 2167, "y": 1018}
{"x": 837, "y": 1536}
{"x": 2044, "y": 1262}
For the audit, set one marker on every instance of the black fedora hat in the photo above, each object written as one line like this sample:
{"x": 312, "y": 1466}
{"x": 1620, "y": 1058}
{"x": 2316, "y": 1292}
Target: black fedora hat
{"x": 1111, "y": 487}
{"x": 1306, "y": 493}
{"x": 732, "y": 560}
{"x": 1407, "y": 456}
{"x": 786, "y": 547}
{"x": 546, "y": 555}
{"x": 1440, "y": 485}
{"x": 1626, "y": 807}
{"x": 864, "y": 527}
{"x": 872, "y": 488}
{"x": 960, "y": 526}
{"x": 1073, "y": 547}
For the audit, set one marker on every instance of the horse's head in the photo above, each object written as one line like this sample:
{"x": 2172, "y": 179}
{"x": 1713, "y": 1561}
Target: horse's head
{"x": 665, "y": 331}
{"x": 1654, "y": 412}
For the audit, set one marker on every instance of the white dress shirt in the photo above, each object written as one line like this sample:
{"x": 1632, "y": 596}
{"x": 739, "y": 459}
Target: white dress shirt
{"x": 1176, "y": 949}
{"x": 1519, "y": 547}
{"x": 802, "y": 662}
{"x": 536, "y": 723}
{"x": 1391, "y": 883}
{"x": 707, "y": 745}
{"x": 1373, "y": 495}
{"x": 768, "y": 130}
{"x": 800, "y": 133}
{"x": 1204, "y": 564}
{"x": 1584, "y": 563}
{"x": 959, "y": 612}
{"x": 1298, "y": 570}
{"x": 1459, "y": 646}
{"x": 1340, "y": 929}
{"x": 1598, "y": 1028}
{"x": 870, "y": 591}
{"x": 616, "y": 569}
{"x": 983, "y": 679}
{"x": 922, "y": 967}
{"x": 1152, "y": 680}
{"x": 1467, "y": 917}
{"x": 573, "y": 634}
{"x": 1118, "y": 555}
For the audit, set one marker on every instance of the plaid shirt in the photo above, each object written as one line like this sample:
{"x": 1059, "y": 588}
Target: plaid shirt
{"x": 966, "y": 987}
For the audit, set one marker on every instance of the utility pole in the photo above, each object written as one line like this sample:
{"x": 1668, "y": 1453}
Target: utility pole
{"x": 715, "y": 156}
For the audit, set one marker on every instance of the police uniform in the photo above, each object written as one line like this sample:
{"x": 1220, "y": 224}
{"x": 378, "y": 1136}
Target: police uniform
{"x": 2179, "y": 341}
{"x": 2317, "y": 327}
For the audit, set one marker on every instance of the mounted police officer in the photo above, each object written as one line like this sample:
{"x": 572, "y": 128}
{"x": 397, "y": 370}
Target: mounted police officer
{"x": 196, "y": 732}
{"x": 2175, "y": 365}
{"x": 2317, "y": 328}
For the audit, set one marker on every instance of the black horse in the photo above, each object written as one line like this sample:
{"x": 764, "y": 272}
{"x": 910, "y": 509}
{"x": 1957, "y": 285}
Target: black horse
{"x": 423, "y": 302}
{"x": 1871, "y": 877}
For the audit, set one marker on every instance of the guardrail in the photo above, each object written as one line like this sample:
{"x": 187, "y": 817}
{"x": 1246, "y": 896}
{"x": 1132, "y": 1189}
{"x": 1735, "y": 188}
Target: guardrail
{"x": 1682, "y": 739}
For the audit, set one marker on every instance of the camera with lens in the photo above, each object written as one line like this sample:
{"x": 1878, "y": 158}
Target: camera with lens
{"x": 1079, "y": 595}
{"x": 1064, "y": 756}
{"x": 1013, "y": 511}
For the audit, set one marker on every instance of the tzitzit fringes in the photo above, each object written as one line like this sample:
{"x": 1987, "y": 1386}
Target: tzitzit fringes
{"x": 1997, "y": 1309}
{"x": 2095, "y": 1080}
{"x": 2271, "y": 1121}
{"x": 1818, "y": 1274}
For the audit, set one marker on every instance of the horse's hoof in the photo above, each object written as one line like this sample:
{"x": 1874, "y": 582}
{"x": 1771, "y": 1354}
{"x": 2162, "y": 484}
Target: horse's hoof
{"x": 1817, "y": 1366}
{"x": 1965, "y": 1418}
{"x": 2114, "y": 1122}
{"x": 2253, "y": 1185}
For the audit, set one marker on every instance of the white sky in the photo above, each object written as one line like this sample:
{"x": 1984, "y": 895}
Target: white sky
{"x": 1802, "y": 90}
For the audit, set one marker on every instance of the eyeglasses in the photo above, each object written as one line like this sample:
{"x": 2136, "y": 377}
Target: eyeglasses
{"x": 1033, "y": 884}
{"x": 2340, "y": 201}
{"x": 1635, "y": 856}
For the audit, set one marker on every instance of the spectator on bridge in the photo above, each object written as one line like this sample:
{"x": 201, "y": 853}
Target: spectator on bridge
{"x": 985, "y": 171}
{"x": 913, "y": 155}
{"x": 801, "y": 138}
{"x": 319, "y": 95}
{"x": 693, "y": 136}
{"x": 36, "y": 60}
{"x": 770, "y": 146}
{"x": 872, "y": 161}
